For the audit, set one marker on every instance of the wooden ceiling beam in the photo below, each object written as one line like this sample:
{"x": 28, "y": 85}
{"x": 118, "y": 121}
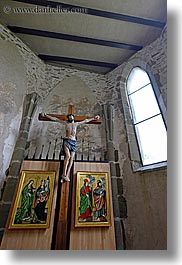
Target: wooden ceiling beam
{"x": 51, "y": 58}
{"x": 56, "y": 35}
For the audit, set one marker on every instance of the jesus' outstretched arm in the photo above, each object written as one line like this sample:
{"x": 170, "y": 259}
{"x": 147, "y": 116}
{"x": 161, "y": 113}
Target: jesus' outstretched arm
{"x": 43, "y": 114}
{"x": 97, "y": 117}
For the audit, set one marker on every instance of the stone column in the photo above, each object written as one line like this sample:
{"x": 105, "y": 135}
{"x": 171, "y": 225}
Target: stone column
{"x": 112, "y": 156}
{"x": 29, "y": 106}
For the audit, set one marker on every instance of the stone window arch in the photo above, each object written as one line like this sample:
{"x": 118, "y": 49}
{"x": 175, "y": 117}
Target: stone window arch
{"x": 139, "y": 159}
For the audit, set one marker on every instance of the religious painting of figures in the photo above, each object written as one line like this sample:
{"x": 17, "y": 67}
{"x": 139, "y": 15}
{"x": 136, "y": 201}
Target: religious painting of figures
{"x": 92, "y": 200}
{"x": 33, "y": 201}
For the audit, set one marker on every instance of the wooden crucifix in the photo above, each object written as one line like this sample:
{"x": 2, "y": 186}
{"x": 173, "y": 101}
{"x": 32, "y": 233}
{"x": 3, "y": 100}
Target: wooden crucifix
{"x": 65, "y": 118}
{"x": 69, "y": 142}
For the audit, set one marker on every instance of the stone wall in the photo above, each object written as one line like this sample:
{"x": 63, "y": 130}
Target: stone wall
{"x": 22, "y": 72}
{"x": 145, "y": 194}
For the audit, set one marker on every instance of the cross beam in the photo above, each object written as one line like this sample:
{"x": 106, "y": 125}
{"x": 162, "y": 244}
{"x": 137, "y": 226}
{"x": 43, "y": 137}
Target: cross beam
{"x": 64, "y": 117}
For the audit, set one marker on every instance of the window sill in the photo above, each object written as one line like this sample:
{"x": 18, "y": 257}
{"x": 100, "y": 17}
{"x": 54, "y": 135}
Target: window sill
{"x": 151, "y": 167}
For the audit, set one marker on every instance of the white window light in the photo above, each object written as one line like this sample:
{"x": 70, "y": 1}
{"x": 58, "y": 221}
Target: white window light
{"x": 148, "y": 121}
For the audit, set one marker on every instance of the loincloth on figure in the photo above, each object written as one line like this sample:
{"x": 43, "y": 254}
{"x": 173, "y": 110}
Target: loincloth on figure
{"x": 71, "y": 144}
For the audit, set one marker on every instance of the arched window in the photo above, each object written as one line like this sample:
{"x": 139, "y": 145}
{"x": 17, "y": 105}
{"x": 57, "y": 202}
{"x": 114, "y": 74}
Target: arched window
{"x": 147, "y": 118}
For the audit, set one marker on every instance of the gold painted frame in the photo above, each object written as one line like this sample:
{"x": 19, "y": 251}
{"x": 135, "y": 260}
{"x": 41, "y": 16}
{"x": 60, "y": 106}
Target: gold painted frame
{"x": 92, "y": 199}
{"x": 33, "y": 200}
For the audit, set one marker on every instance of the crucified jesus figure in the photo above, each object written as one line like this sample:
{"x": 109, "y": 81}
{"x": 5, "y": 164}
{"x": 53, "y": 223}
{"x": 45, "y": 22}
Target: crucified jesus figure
{"x": 69, "y": 142}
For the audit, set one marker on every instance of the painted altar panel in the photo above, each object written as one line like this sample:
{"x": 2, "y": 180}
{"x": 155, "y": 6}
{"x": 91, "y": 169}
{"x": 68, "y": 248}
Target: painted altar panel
{"x": 33, "y": 239}
{"x": 92, "y": 238}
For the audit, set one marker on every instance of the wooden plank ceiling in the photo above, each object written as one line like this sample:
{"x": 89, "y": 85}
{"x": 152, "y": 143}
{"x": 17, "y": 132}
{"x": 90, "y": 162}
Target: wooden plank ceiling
{"x": 99, "y": 38}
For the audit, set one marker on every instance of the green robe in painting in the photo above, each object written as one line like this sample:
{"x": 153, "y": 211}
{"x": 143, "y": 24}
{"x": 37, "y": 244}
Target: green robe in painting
{"x": 26, "y": 204}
